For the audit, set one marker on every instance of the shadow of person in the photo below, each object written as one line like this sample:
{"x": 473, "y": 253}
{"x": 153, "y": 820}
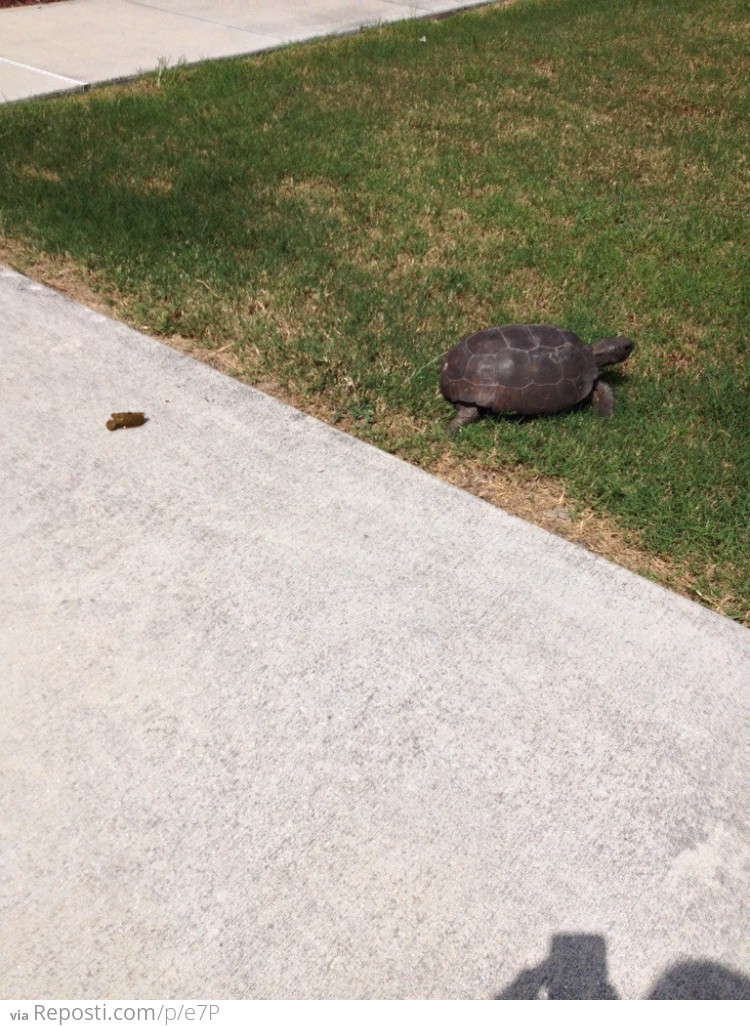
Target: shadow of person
{"x": 701, "y": 981}
{"x": 576, "y": 970}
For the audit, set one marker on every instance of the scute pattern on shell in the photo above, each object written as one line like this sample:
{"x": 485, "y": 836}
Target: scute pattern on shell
{"x": 519, "y": 368}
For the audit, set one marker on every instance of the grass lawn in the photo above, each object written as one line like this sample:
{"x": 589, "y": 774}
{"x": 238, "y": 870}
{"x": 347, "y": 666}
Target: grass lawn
{"x": 327, "y": 219}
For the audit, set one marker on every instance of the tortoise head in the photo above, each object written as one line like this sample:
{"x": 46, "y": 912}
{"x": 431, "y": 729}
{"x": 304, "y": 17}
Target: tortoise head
{"x": 611, "y": 350}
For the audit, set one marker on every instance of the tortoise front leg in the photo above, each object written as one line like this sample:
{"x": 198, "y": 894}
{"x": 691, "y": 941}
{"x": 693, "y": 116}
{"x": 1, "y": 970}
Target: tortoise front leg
{"x": 603, "y": 399}
{"x": 465, "y": 414}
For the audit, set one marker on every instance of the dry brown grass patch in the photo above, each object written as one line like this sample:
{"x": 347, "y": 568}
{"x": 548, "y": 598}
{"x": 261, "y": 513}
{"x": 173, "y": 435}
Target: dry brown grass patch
{"x": 58, "y": 272}
{"x": 528, "y": 290}
{"x": 41, "y": 174}
{"x": 544, "y": 502}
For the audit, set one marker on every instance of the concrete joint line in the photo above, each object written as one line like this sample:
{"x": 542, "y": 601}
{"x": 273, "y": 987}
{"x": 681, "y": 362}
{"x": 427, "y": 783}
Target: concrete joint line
{"x": 41, "y": 71}
{"x": 206, "y": 21}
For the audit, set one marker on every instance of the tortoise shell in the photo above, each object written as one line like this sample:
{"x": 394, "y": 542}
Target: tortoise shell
{"x": 519, "y": 368}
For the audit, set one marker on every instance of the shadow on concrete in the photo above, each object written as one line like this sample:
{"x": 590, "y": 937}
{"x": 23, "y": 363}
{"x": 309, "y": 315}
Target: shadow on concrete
{"x": 701, "y": 981}
{"x": 576, "y": 970}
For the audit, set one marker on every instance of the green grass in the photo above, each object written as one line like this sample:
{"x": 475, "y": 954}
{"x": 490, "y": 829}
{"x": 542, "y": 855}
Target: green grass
{"x": 342, "y": 212}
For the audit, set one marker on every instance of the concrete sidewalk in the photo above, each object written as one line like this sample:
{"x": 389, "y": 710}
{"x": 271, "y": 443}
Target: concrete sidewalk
{"x": 286, "y": 717}
{"x": 70, "y": 46}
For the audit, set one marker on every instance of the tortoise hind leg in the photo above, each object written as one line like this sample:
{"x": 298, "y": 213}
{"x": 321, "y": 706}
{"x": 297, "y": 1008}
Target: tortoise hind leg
{"x": 465, "y": 414}
{"x": 603, "y": 400}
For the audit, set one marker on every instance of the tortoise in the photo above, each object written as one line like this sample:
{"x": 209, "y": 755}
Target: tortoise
{"x": 527, "y": 369}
